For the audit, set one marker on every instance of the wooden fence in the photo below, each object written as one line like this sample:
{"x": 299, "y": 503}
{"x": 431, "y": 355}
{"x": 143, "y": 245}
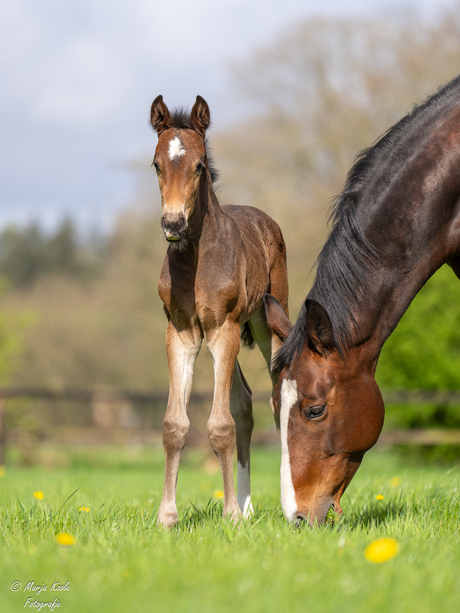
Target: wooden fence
{"x": 113, "y": 417}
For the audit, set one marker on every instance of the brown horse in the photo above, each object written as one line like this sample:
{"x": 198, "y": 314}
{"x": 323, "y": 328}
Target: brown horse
{"x": 219, "y": 264}
{"x": 396, "y": 222}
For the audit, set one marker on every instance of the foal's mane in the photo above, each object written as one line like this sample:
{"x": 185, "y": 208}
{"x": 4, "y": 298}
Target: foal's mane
{"x": 181, "y": 121}
{"x": 345, "y": 264}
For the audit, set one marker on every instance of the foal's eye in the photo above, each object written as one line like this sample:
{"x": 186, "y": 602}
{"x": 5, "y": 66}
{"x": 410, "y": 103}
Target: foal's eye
{"x": 155, "y": 165}
{"x": 314, "y": 412}
{"x": 199, "y": 167}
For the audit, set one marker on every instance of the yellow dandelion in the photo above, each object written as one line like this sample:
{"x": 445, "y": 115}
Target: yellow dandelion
{"x": 84, "y": 509}
{"x": 381, "y": 550}
{"x": 395, "y": 481}
{"x": 2, "y": 471}
{"x": 379, "y": 497}
{"x": 39, "y": 495}
{"x": 218, "y": 494}
{"x": 64, "y": 538}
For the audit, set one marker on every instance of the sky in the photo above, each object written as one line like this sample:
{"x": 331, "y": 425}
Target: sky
{"x": 78, "y": 78}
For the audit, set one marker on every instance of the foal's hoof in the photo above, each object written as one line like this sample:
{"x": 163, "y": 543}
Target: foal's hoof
{"x": 167, "y": 519}
{"x": 235, "y": 515}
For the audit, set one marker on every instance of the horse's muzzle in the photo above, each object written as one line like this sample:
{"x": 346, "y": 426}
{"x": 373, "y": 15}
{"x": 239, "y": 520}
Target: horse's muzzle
{"x": 316, "y": 515}
{"x": 173, "y": 226}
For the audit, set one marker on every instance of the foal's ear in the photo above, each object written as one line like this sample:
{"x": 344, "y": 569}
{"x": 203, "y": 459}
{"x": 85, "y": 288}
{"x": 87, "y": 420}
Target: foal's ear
{"x": 277, "y": 320}
{"x": 319, "y": 328}
{"x": 160, "y": 117}
{"x": 200, "y": 116}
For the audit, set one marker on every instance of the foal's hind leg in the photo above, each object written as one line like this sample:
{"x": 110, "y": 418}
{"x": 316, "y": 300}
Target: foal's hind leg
{"x": 241, "y": 408}
{"x": 224, "y": 345}
{"x": 268, "y": 343}
{"x": 182, "y": 349}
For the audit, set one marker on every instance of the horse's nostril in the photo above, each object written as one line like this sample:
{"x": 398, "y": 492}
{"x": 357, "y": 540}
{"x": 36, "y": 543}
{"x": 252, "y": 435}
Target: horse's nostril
{"x": 299, "y": 518}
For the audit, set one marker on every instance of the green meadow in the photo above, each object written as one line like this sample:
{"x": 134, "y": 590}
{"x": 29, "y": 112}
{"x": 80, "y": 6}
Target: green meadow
{"x": 118, "y": 560}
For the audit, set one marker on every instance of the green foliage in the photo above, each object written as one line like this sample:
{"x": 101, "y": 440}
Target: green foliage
{"x": 120, "y": 560}
{"x": 28, "y": 253}
{"x": 423, "y": 353}
{"x": 422, "y": 415}
{"x": 424, "y": 350}
{"x": 12, "y": 329}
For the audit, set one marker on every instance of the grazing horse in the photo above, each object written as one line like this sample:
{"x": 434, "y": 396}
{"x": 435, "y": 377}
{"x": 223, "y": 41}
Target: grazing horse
{"x": 396, "y": 222}
{"x": 219, "y": 264}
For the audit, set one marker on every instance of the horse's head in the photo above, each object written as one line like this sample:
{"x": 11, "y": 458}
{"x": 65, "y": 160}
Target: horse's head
{"x": 330, "y": 411}
{"x": 180, "y": 159}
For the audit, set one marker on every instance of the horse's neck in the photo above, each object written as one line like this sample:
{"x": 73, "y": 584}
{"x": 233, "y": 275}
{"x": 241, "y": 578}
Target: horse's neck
{"x": 412, "y": 246}
{"x": 207, "y": 217}
{"x": 387, "y": 303}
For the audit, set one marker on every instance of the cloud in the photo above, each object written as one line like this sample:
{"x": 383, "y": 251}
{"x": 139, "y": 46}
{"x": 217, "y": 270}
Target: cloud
{"x": 82, "y": 84}
{"x": 78, "y": 78}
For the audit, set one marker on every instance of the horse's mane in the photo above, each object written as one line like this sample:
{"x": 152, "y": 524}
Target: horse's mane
{"x": 345, "y": 264}
{"x": 181, "y": 121}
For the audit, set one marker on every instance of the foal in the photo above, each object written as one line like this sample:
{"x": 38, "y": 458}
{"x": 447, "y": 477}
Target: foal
{"x": 219, "y": 263}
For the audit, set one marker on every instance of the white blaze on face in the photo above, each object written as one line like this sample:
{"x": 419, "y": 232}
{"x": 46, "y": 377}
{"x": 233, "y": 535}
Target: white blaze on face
{"x": 176, "y": 148}
{"x": 288, "y": 399}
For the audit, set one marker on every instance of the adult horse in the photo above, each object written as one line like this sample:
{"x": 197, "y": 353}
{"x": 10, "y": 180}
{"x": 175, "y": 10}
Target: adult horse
{"x": 396, "y": 222}
{"x": 219, "y": 264}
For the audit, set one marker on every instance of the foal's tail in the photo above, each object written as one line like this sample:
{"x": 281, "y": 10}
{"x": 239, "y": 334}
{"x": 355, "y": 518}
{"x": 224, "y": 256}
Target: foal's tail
{"x": 246, "y": 336}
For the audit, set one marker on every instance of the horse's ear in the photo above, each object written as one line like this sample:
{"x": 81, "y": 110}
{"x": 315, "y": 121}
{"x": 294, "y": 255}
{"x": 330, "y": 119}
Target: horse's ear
{"x": 200, "y": 116}
{"x": 277, "y": 320}
{"x": 319, "y": 328}
{"x": 160, "y": 117}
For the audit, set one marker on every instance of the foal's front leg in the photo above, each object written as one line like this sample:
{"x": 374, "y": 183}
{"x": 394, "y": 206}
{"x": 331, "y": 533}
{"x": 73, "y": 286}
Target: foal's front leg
{"x": 224, "y": 345}
{"x": 181, "y": 349}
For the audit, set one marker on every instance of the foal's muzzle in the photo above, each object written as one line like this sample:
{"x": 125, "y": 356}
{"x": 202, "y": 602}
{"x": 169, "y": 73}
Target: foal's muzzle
{"x": 173, "y": 226}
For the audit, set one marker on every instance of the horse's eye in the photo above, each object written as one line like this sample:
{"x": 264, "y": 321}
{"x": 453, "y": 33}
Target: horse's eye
{"x": 199, "y": 167}
{"x": 155, "y": 165}
{"x": 313, "y": 412}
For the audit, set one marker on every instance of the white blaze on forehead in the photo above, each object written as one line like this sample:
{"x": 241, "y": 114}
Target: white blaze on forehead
{"x": 288, "y": 399}
{"x": 176, "y": 148}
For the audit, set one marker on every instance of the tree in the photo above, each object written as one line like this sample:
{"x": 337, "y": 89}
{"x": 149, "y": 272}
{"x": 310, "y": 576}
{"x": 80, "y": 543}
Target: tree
{"x": 319, "y": 94}
{"x": 13, "y": 325}
{"x": 28, "y": 253}
{"x": 424, "y": 351}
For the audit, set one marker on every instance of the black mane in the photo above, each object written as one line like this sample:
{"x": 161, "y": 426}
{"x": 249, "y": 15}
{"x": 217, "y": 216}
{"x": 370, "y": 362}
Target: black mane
{"x": 181, "y": 121}
{"x": 347, "y": 260}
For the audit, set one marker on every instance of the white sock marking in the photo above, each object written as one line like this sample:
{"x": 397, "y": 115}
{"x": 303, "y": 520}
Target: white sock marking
{"x": 288, "y": 399}
{"x": 176, "y": 148}
{"x": 244, "y": 491}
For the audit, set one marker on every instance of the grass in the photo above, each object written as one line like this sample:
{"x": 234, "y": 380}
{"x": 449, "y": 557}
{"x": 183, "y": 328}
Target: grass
{"x": 121, "y": 561}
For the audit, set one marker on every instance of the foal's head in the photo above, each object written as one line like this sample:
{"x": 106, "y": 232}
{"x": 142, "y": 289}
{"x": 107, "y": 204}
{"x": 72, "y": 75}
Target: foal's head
{"x": 180, "y": 160}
